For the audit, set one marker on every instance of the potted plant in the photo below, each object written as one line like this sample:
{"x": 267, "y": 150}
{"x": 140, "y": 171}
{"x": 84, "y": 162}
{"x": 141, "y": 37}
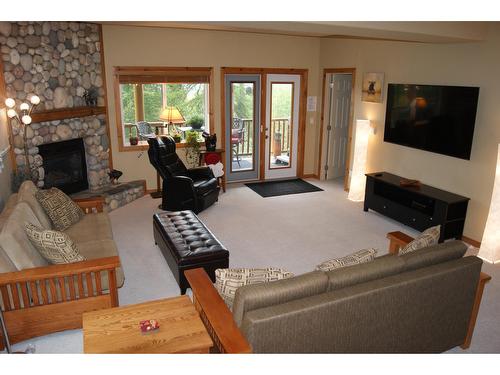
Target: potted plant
{"x": 177, "y": 138}
{"x": 192, "y": 148}
{"x": 196, "y": 122}
{"x": 134, "y": 139}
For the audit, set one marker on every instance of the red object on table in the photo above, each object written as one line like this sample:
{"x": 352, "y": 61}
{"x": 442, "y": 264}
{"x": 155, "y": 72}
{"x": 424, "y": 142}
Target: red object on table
{"x": 212, "y": 158}
{"x": 148, "y": 325}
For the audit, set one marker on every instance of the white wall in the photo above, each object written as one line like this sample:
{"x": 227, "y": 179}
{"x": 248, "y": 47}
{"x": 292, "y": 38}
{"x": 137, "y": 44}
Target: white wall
{"x": 150, "y": 46}
{"x": 473, "y": 64}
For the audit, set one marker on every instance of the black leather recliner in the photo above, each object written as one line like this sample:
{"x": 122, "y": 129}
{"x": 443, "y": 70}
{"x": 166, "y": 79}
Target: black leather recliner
{"x": 183, "y": 189}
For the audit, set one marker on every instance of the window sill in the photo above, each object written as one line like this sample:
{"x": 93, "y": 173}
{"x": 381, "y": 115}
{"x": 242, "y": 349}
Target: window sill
{"x": 143, "y": 146}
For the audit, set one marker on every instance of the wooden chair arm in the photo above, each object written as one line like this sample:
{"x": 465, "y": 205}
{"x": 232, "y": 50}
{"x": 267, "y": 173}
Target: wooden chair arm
{"x": 59, "y": 270}
{"x": 483, "y": 279}
{"x": 90, "y": 205}
{"x": 214, "y": 313}
{"x": 397, "y": 240}
{"x": 43, "y": 300}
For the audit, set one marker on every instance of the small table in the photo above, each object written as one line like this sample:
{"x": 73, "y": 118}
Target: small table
{"x": 220, "y": 151}
{"x": 116, "y": 330}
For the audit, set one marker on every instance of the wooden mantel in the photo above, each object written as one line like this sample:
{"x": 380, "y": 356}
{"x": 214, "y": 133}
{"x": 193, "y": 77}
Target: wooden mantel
{"x": 64, "y": 113}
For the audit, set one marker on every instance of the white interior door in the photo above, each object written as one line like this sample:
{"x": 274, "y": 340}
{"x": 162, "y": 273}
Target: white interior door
{"x": 282, "y": 125}
{"x": 337, "y": 106}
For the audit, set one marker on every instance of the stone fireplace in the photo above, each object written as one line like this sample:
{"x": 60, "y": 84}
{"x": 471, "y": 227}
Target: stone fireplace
{"x": 62, "y": 63}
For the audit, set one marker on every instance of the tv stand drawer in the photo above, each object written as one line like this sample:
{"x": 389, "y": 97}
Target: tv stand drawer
{"x": 398, "y": 212}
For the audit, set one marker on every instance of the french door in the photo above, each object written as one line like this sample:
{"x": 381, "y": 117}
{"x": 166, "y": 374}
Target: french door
{"x": 282, "y": 125}
{"x": 261, "y": 139}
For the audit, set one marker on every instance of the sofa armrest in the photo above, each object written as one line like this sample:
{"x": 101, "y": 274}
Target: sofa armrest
{"x": 179, "y": 188}
{"x": 214, "y": 313}
{"x": 200, "y": 173}
{"x": 397, "y": 240}
{"x": 90, "y": 205}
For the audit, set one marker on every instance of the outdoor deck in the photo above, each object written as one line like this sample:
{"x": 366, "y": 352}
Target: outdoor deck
{"x": 280, "y": 145}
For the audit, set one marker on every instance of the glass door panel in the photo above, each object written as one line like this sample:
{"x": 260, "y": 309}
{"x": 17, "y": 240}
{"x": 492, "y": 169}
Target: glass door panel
{"x": 242, "y": 101}
{"x": 242, "y": 126}
{"x": 281, "y": 124}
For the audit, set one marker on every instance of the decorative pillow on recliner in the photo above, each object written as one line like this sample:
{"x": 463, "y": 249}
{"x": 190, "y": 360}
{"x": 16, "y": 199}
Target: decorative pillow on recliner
{"x": 228, "y": 280}
{"x": 63, "y": 212}
{"x": 429, "y": 237}
{"x": 53, "y": 245}
{"x": 361, "y": 256}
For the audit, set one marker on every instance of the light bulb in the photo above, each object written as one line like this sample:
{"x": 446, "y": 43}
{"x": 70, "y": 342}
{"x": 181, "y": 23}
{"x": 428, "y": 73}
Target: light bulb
{"x": 24, "y": 107}
{"x": 26, "y": 119}
{"x": 9, "y": 102}
{"x": 35, "y": 100}
{"x": 11, "y": 113}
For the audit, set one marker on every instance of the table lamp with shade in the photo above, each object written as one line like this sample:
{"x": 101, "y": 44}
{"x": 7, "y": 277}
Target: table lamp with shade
{"x": 172, "y": 116}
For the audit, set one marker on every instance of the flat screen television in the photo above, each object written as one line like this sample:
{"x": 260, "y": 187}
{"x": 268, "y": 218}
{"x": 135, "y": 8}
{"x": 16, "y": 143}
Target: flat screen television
{"x": 438, "y": 119}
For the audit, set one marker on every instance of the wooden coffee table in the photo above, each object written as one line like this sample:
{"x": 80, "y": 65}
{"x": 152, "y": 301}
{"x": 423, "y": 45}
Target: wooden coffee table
{"x": 116, "y": 330}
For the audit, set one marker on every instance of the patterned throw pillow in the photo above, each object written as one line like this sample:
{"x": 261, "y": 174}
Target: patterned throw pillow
{"x": 361, "y": 256}
{"x": 54, "y": 246}
{"x": 429, "y": 237}
{"x": 228, "y": 280}
{"x": 63, "y": 212}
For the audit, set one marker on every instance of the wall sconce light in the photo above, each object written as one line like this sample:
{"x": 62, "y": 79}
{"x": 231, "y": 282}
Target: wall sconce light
{"x": 490, "y": 245}
{"x": 24, "y": 119}
{"x": 358, "y": 178}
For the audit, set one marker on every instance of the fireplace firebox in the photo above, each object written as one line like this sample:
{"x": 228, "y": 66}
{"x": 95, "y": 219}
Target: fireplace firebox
{"x": 65, "y": 165}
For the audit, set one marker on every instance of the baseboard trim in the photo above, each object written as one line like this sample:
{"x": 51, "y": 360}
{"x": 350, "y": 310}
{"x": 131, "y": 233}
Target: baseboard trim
{"x": 472, "y": 242}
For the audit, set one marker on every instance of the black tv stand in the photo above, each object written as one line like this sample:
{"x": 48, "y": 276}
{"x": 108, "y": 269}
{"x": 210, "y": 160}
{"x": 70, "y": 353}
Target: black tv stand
{"x": 418, "y": 207}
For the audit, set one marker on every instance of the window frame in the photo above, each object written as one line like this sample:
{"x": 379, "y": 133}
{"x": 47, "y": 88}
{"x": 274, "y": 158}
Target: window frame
{"x": 183, "y": 74}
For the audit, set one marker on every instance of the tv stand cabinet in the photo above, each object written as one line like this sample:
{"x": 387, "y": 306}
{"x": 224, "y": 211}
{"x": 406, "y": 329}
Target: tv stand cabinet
{"x": 418, "y": 207}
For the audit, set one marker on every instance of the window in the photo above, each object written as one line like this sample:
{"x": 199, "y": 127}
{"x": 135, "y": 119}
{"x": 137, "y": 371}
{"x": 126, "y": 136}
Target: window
{"x": 146, "y": 94}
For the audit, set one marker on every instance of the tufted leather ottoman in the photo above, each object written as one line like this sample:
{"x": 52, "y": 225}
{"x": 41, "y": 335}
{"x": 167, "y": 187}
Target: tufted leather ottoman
{"x": 187, "y": 243}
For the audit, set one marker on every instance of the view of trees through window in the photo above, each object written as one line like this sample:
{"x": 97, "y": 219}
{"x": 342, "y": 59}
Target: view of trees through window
{"x": 188, "y": 98}
{"x": 243, "y": 96}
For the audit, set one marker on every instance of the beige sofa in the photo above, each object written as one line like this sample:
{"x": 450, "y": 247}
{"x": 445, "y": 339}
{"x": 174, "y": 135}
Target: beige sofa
{"x": 38, "y": 298}
{"x": 424, "y": 301}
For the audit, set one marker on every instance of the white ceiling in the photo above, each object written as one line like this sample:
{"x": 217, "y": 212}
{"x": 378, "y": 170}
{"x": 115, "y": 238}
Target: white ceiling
{"x": 426, "y": 32}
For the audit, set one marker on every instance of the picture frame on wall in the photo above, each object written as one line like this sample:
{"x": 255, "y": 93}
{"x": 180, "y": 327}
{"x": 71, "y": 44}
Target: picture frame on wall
{"x": 373, "y": 84}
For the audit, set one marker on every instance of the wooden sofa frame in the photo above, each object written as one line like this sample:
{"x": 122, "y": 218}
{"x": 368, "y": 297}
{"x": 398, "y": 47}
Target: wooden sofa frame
{"x": 226, "y": 335}
{"x": 43, "y": 300}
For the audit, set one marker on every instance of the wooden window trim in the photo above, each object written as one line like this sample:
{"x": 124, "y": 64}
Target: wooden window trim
{"x": 182, "y": 74}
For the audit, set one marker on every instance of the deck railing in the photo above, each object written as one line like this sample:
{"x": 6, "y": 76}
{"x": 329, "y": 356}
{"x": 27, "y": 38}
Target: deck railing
{"x": 278, "y": 125}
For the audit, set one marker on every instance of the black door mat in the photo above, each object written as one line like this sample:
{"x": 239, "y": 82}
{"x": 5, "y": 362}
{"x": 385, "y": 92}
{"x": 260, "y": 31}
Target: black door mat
{"x": 282, "y": 187}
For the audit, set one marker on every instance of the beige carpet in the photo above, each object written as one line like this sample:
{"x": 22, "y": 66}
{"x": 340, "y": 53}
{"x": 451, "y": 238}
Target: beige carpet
{"x": 295, "y": 232}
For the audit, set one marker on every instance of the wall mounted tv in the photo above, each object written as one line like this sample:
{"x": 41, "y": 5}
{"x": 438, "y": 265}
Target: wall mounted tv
{"x": 432, "y": 118}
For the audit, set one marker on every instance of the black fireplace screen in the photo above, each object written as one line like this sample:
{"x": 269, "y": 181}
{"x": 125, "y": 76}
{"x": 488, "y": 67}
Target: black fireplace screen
{"x": 65, "y": 166}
